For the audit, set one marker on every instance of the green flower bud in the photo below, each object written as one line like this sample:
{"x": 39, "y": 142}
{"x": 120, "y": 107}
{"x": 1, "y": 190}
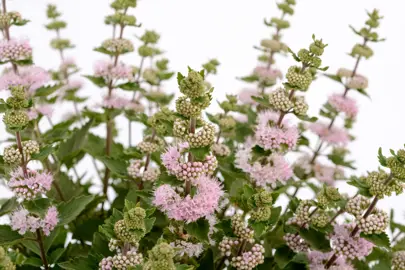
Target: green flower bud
{"x": 10, "y": 18}
{"x": 300, "y": 106}
{"x": 61, "y": 44}
{"x": 317, "y": 47}
{"x": 135, "y": 219}
{"x": 52, "y": 12}
{"x": 147, "y": 51}
{"x": 332, "y": 193}
{"x": 226, "y": 106}
{"x": 18, "y": 92}
{"x": 401, "y": 155}
{"x": 398, "y": 172}
{"x": 121, "y": 19}
{"x": 261, "y": 213}
{"x": 362, "y": 51}
{"x": 150, "y": 37}
{"x": 227, "y": 123}
{"x": 123, "y": 4}
{"x": 280, "y": 23}
{"x": 320, "y": 220}
{"x": 150, "y": 75}
{"x": 211, "y": 66}
{"x": 187, "y": 108}
{"x": 162, "y": 64}
{"x": 304, "y": 55}
{"x": 118, "y": 45}
{"x": 285, "y": 7}
{"x": 149, "y": 145}
{"x": 124, "y": 234}
{"x": 193, "y": 85}
{"x": 393, "y": 162}
{"x": 297, "y": 78}
{"x": 280, "y": 101}
{"x": 263, "y": 198}
{"x": 162, "y": 121}
{"x": 17, "y": 103}
{"x": 15, "y": 120}
{"x": 323, "y": 201}
{"x": 56, "y": 25}
{"x": 161, "y": 257}
{"x": 272, "y": 44}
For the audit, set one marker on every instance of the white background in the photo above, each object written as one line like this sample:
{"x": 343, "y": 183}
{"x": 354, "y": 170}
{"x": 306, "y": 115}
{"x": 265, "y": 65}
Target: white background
{"x": 194, "y": 31}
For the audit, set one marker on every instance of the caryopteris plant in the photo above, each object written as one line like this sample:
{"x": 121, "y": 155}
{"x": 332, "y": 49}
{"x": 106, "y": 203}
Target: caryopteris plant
{"x": 144, "y": 180}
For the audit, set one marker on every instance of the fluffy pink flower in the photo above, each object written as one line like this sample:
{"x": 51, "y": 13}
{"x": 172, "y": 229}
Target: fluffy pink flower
{"x": 317, "y": 261}
{"x": 348, "y": 246}
{"x": 267, "y": 75}
{"x": 170, "y": 159}
{"x": 50, "y": 221}
{"x": 19, "y": 221}
{"x": 29, "y": 187}
{"x": 264, "y": 117}
{"x": 335, "y": 136}
{"x": 15, "y": 49}
{"x": 270, "y": 138}
{"x": 67, "y": 62}
{"x": 189, "y": 209}
{"x": 31, "y": 77}
{"x": 45, "y": 110}
{"x": 116, "y": 102}
{"x": 108, "y": 71}
{"x": 326, "y": 174}
{"x": 344, "y": 104}
{"x": 245, "y": 96}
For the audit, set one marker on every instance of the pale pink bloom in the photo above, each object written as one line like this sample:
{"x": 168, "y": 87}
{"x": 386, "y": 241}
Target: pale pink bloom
{"x": 45, "y": 110}
{"x": 115, "y": 102}
{"x": 357, "y": 82}
{"x": 317, "y": 261}
{"x": 15, "y": 49}
{"x": 272, "y": 137}
{"x": 68, "y": 62}
{"x": 135, "y": 106}
{"x": 326, "y": 174}
{"x": 19, "y": 221}
{"x": 50, "y": 221}
{"x": 109, "y": 72}
{"x": 31, "y": 77}
{"x": 347, "y": 246}
{"x": 268, "y": 75}
{"x": 29, "y": 187}
{"x": 170, "y": 159}
{"x": 333, "y": 135}
{"x": 344, "y": 104}
{"x": 189, "y": 209}
{"x": 266, "y": 117}
{"x": 187, "y": 248}
{"x": 72, "y": 84}
{"x": 245, "y": 96}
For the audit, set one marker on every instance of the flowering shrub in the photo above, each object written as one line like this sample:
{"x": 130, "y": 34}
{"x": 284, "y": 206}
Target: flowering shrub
{"x": 200, "y": 190}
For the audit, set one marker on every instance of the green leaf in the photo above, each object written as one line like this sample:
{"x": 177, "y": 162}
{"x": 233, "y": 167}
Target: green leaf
{"x": 334, "y": 77}
{"x": 251, "y": 78}
{"x": 116, "y": 166}
{"x": 72, "y": 146}
{"x": 207, "y": 262}
{"x": 8, "y": 236}
{"x": 8, "y": 206}
{"x": 78, "y": 263}
{"x": 363, "y": 92}
{"x": 200, "y": 153}
{"x": 317, "y": 240}
{"x": 184, "y": 267}
{"x": 307, "y": 118}
{"x": 380, "y": 240}
{"x": 45, "y": 91}
{"x": 275, "y": 215}
{"x": 283, "y": 256}
{"x": 43, "y": 153}
{"x": 33, "y": 261}
{"x": 98, "y": 81}
{"x": 38, "y": 206}
{"x": 103, "y": 50}
{"x": 180, "y": 77}
{"x": 68, "y": 211}
{"x": 381, "y": 158}
{"x": 262, "y": 101}
{"x": 198, "y": 229}
{"x": 129, "y": 86}
{"x": 56, "y": 254}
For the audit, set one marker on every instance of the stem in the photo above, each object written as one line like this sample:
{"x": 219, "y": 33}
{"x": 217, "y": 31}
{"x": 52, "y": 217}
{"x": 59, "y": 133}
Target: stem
{"x": 396, "y": 236}
{"x": 42, "y": 249}
{"x": 20, "y": 149}
{"x": 221, "y": 263}
{"x": 357, "y": 228}
{"x": 193, "y": 121}
{"x": 282, "y": 114}
{"x": 338, "y": 213}
{"x": 242, "y": 247}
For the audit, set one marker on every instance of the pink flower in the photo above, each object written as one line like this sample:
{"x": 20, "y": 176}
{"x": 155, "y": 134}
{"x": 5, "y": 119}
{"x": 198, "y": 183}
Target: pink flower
{"x": 189, "y": 209}
{"x": 245, "y": 96}
{"x": 109, "y": 72}
{"x": 68, "y": 62}
{"x": 19, "y": 221}
{"x": 317, "y": 261}
{"x": 29, "y": 187}
{"x": 50, "y": 221}
{"x": 357, "y": 82}
{"x": 265, "y": 117}
{"x": 326, "y": 174}
{"x": 45, "y": 110}
{"x": 170, "y": 159}
{"x": 15, "y": 49}
{"x": 347, "y": 246}
{"x": 344, "y": 104}
{"x": 31, "y": 77}
{"x": 267, "y": 74}
{"x": 270, "y": 138}
{"x": 115, "y": 102}
{"x": 334, "y": 135}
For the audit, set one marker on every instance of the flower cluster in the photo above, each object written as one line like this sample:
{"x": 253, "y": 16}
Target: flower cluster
{"x": 30, "y": 77}
{"x": 14, "y": 50}
{"x": 23, "y": 222}
{"x": 28, "y": 187}
{"x": 331, "y": 135}
{"x": 112, "y": 73}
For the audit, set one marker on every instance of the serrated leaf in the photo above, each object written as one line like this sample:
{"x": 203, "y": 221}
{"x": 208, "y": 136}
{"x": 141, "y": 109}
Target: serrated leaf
{"x": 198, "y": 229}
{"x": 98, "y": 81}
{"x": 117, "y": 166}
{"x": 381, "y": 158}
{"x": 334, "y": 77}
{"x": 56, "y": 254}
{"x": 307, "y": 118}
{"x": 250, "y": 78}
{"x": 103, "y": 50}
{"x": 8, "y": 236}
{"x": 380, "y": 240}
{"x": 180, "y": 77}
{"x": 317, "y": 240}
{"x": 283, "y": 256}
{"x": 8, "y": 206}
{"x": 45, "y": 91}
{"x": 68, "y": 211}
{"x": 33, "y": 261}
{"x": 43, "y": 153}
{"x": 78, "y": 263}
{"x": 129, "y": 86}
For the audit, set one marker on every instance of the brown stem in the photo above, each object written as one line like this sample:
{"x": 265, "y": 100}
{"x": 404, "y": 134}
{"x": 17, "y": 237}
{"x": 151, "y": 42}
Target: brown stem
{"x": 282, "y": 114}
{"x": 396, "y": 236}
{"x": 20, "y": 149}
{"x": 338, "y": 213}
{"x": 193, "y": 122}
{"x": 42, "y": 249}
{"x": 242, "y": 247}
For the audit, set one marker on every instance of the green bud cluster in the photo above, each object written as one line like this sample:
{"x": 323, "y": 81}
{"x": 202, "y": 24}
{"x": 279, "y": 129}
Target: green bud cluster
{"x": 240, "y": 228}
{"x": 380, "y": 186}
{"x": 52, "y": 12}
{"x": 118, "y": 45}
{"x": 227, "y": 123}
{"x": 5, "y": 261}
{"x": 123, "y": 4}
{"x": 150, "y": 144}
{"x": 162, "y": 64}
{"x": 188, "y": 109}
{"x": 230, "y": 104}
{"x": 263, "y": 202}
{"x": 204, "y": 137}
{"x": 300, "y": 106}
{"x": 151, "y": 76}
{"x": 299, "y": 78}
{"x": 211, "y": 66}
{"x": 10, "y": 18}
{"x": 56, "y": 25}
{"x": 162, "y": 121}
{"x": 120, "y": 19}
{"x": 61, "y": 44}
{"x": 360, "y": 50}
{"x": 328, "y": 196}
{"x": 161, "y": 257}
{"x": 150, "y": 36}
{"x": 148, "y": 51}
{"x": 131, "y": 229}
{"x": 280, "y": 101}
{"x": 320, "y": 219}
{"x": 280, "y": 23}
{"x": 16, "y": 120}
{"x": 193, "y": 85}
